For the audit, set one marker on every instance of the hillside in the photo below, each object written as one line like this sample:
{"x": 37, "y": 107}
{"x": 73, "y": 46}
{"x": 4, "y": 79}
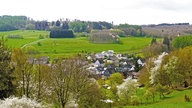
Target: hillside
{"x": 170, "y": 30}
{"x": 68, "y": 47}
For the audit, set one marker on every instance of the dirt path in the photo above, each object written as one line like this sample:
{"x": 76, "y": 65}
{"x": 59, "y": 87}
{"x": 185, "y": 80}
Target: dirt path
{"x": 32, "y": 43}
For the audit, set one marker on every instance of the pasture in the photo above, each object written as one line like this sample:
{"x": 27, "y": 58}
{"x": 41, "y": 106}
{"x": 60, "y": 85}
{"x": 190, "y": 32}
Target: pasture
{"x": 28, "y": 36}
{"x": 68, "y": 47}
{"x": 174, "y": 100}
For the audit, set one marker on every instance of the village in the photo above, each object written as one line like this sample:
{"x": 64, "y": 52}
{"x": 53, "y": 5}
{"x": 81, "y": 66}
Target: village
{"x": 108, "y": 62}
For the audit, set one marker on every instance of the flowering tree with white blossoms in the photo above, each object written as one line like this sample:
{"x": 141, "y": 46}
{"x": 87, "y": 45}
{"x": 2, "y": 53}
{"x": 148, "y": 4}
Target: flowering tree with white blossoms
{"x": 154, "y": 70}
{"x": 24, "y": 102}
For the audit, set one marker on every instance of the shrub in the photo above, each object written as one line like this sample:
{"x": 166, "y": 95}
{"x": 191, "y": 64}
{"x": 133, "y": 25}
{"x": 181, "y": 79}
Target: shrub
{"x": 41, "y": 36}
{"x": 39, "y": 43}
{"x": 187, "y": 98}
{"x": 15, "y": 102}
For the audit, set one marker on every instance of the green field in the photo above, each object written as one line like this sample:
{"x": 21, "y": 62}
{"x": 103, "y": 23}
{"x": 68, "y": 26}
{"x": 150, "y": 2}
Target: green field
{"x": 174, "y": 100}
{"x": 69, "y": 47}
{"x": 73, "y": 46}
{"x": 28, "y": 37}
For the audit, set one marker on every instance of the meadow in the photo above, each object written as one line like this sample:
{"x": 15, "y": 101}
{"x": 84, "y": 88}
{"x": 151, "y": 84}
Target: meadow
{"x": 174, "y": 100}
{"x": 28, "y": 37}
{"x": 68, "y": 47}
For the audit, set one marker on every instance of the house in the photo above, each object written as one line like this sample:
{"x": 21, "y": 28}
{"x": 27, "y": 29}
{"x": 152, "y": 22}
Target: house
{"x": 107, "y": 63}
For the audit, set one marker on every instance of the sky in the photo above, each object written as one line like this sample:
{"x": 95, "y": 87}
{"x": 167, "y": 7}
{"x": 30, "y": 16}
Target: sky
{"x": 138, "y": 12}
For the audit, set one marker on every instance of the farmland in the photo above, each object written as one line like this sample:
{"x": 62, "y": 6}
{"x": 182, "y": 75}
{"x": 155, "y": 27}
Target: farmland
{"x": 67, "y": 47}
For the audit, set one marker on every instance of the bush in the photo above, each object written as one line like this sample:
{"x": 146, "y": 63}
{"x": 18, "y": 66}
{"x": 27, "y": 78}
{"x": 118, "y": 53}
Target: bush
{"x": 187, "y": 98}
{"x": 39, "y": 43}
{"x": 15, "y": 102}
{"x": 41, "y": 36}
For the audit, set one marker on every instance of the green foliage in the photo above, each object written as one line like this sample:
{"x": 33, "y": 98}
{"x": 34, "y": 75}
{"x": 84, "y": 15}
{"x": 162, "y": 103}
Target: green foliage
{"x": 166, "y": 41}
{"x": 41, "y": 36}
{"x": 58, "y": 23}
{"x": 182, "y": 41}
{"x": 175, "y": 99}
{"x": 61, "y": 33}
{"x": 118, "y": 32}
{"x": 8, "y": 23}
{"x": 116, "y": 78}
{"x": 133, "y": 30}
{"x": 126, "y": 91}
{"x": 154, "y": 50}
{"x": 79, "y": 26}
{"x": 153, "y": 41}
{"x": 6, "y": 79}
{"x": 65, "y": 25}
{"x": 6, "y": 27}
{"x": 31, "y": 50}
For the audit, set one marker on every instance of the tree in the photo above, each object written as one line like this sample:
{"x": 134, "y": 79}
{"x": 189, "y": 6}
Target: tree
{"x": 126, "y": 90}
{"x": 92, "y": 97}
{"x": 58, "y": 23}
{"x": 65, "y": 25}
{"x": 15, "y": 102}
{"x": 23, "y": 72}
{"x": 80, "y": 81}
{"x": 184, "y": 63}
{"x": 116, "y": 78}
{"x": 153, "y": 41}
{"x": 41, "y": 25}
{"x": 183, "y": 41}
{"x": 167, "y": 42}
{"x": 42, "y": 89}
{"x": 8, "y": 23}
{"x": 60, "y": 77}
{"x": 175, "y": 77}
{"x": 79, "y": 26}
{"x": 154, "y": 50}
{"x": 7, "y": 86}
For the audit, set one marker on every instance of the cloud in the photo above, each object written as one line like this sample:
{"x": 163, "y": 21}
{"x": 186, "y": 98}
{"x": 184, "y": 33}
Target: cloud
{"x": 119, "y": 11}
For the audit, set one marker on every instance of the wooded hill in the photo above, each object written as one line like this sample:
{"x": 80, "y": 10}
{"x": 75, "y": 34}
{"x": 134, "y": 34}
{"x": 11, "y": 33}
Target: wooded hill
{"x": 8, "y": 23}
{"x": 167, "y": 30}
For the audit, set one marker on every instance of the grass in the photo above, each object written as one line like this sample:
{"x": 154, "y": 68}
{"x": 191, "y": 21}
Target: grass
{"x": 174, "y": 100}
{"x": 28, "y": 37}
{"x": 69, "y": 47}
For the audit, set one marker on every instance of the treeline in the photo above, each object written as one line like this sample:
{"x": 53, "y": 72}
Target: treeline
{"x": 61, "y": 33}
{"x": 8, "y": 23}
{"x": 165, "y": 24}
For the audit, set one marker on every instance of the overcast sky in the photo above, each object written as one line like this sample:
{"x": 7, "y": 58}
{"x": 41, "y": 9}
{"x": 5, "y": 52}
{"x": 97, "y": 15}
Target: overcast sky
{"x": 118, "y": 11}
